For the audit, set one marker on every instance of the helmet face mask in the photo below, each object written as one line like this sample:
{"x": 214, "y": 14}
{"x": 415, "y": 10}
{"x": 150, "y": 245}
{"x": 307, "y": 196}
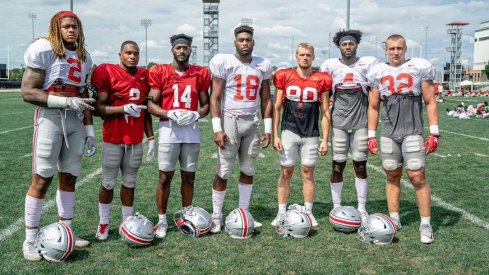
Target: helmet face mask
{"x": 345, "y": 219}
{"x": 55, "y": 242}
{"x": 193, "y": 221}
{"x": 137, "y": 230}
{"x": 239, "y": 224}
{"x": 295, "y": 223}
{"x": 377, "y": 229}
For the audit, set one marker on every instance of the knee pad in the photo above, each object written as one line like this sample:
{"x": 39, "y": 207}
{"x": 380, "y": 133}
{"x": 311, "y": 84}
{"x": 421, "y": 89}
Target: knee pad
{"x": 413, "y": 144}
{"x": 109, "y": 184}
{"x": 390, "y": 165}
{"x": 224, "y": 173}
{"x": 129, "y": 180}
{"x": 414, "y": 164}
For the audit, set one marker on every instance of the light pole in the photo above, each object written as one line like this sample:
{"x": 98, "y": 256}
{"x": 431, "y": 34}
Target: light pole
{"x": 146, "y": 23}
{"x": 292, "y": 53}
{"x": 71, "y": 5}
{"x": 426, "y": 28}
{"x": 348, "y": 14}
{"x": 33, "y": 17}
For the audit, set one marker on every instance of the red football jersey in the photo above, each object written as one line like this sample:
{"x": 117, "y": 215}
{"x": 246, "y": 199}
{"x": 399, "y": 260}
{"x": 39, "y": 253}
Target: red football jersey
{"x": 301, "y": 89}
{"x": 123, "y": 88}
{"x": 179, "y": 91}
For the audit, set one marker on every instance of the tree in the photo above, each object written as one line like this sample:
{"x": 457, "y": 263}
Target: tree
{"x": 486, "y": 69}
{"x": 16, "y": 74}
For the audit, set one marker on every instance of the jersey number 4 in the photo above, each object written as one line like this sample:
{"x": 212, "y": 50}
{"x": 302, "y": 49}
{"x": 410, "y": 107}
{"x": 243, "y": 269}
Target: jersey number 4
{"x": 183, "y": 98}
{"x": 400, "y": 81}
{"x": 252, "y": 82}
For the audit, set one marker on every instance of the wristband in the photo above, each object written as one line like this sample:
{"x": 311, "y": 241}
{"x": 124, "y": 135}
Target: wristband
{"x": 371, "y": 133}
{"x": 89, "y": 131}
{"x": 150, "y": 138}
{"x": 268, "y": 125}
{"x": 434, "y": 130}
{"x": 216, "y": 124}
{"x": 56, "y": 102}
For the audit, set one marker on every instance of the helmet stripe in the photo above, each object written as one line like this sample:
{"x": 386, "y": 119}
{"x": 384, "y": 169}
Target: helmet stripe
{"x": 344, "y": 222}
{"x": 244, "y": 218}
{"x": 133, "y": 237}
{"x": 69, "y": 245}
{"x": 391, "y": 222}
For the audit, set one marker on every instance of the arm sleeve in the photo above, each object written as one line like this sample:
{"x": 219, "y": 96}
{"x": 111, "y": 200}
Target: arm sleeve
{"x": 278, "y": 80}
{"x": 100, "y": 79}
{"x": 34, "y": 57}
{"x": 267, "y": 74}
{"x": 154, "y": 78}
{"x": 428, "y": 72}
{"x": 206, "y": 81}
{"x": 216, "y": 66}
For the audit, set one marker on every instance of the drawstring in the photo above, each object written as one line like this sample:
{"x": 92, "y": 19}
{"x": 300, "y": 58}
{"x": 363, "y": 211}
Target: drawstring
{"x": 132, "y": 149}
{"x": 64, "y": 127}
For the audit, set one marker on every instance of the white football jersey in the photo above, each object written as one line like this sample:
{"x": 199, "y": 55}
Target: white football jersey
{"x": 70, "y": 69}
{"x": 349, "y": 77}
{"x": 405, "y": 79}
{"x": 243, "y": 82}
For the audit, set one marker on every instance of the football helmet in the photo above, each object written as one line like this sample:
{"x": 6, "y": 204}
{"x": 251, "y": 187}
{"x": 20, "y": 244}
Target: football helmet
{"x": 55, "y": 242}
{"x": 239, "y": 224}
{"x": 193, "y": 221}
{"x": 345, "y": 218}
{"x": 295, "y": 223}
{"x": 377, "y": 229}
{"x": 137, "y": 230}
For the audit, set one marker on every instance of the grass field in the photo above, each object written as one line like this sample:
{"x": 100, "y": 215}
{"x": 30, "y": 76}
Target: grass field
{"x": 458, "y": 174}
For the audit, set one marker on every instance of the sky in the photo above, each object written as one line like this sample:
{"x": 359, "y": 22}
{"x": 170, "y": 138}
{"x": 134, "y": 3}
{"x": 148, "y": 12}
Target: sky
{"x": 279, "y": 26}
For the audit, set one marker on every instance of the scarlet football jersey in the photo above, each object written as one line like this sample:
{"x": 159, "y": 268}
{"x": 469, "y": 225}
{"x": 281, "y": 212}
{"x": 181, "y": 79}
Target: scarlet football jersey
{"x": 123, "y": 88}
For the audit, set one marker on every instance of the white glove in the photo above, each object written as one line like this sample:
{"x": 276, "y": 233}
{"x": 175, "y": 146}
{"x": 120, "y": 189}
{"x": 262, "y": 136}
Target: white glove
{"x": 90, "y": 141}
{"x": 79, "y": 104}
{"x": 151, "y": 149}
{"x": 188, "y": 118}
{"x": 133, "y": 109}
{"x": 174, "y": 115}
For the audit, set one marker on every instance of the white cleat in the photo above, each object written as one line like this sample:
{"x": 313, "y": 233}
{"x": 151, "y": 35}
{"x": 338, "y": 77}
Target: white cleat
{"x": 277, "y": 219}
{"x": 257, "y": 224}
{"x": 160, "y": 230}
{"x": 314, "y": 222}
{"x": 397, "y": 223}
{"x": 30, "y": 252}
{"x": 102, "y": 232}
{"x": 426, "y": 232}
{"x": 364, "y": 216}
{"x": 216, "y": 223}
{"x": 81, "y": 243}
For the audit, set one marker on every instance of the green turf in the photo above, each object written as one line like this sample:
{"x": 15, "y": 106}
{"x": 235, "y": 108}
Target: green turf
{"x": 460, "y": 245}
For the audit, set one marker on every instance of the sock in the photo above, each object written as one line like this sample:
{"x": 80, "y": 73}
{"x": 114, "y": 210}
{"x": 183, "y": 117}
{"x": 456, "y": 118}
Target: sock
{"x": 67, "y": 222}
{"x": 32, "y": 211}
{"x": 362, "y": 189}
{"x": 282, "y": 208}
{"x": 218, "y": 201}
{"x": 31, "y": 234}
{"x": 336, "y": 188}
{"x": 308, "y": 206}
{"x": 104, "y": 212}
{"x": 126, "y": 212}
{"x": 162, "y": 218}
{"x": 244, "y": 195}
{"x": 426, "y": 220}
{"x": 394, "y": 215}
{"x": 66, "y": 203}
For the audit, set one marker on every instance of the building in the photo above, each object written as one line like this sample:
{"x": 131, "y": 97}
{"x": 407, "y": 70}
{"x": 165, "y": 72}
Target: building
{"x": 481, "y": 49}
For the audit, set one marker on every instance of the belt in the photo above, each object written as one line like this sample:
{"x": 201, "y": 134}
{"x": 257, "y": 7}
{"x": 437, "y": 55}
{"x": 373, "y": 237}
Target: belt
{"x": 64, "y": 88}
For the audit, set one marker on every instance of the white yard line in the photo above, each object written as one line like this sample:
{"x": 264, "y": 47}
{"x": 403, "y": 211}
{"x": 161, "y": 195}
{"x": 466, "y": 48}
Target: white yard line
{"x": 439, "y": 155}
{"x": 464, "y": 135}
{"x": 27, "y": 155}
{"x": 466, "y": 215}
{"x": 17, "y": 129}
{"x": 481, "y": 155}
{"x": 19, "y": 224}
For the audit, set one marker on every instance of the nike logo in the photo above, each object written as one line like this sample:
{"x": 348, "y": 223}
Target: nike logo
{"x": 411, "y": 65}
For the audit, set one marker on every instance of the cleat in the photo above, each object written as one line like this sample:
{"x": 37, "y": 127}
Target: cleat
{"x": 257, "y": 224}
{"x": 397, "y": 223}
{"x": 426, "y": 232}
{"x": 30, "y": 252}
{"x": 364, "y": 216}
{"x": 216, "y": 223}
{"x": 314, "y": 222}
{"x": 160, "y": 230}
{"x": 81, "y": 243}
{"x": 277, "y": 219}
{"x": 102, "y": 232}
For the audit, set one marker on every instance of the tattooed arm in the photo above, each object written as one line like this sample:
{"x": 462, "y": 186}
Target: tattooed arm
{"x": 32, "y": 87}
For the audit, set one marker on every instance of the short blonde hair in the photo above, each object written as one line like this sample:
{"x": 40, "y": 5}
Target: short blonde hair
{"x": 305, "y": 45}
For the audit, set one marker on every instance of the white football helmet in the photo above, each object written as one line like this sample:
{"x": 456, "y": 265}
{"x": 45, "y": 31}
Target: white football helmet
{"x": 137, "y": 230}
{"x": 193, "y": 221}
{"x": 377, "y": 229}
{"x": 345, "y": 218}
{"x": 239, "y": 224}
{"x": 55, "y": 242}
{"x": 295, "y": 222}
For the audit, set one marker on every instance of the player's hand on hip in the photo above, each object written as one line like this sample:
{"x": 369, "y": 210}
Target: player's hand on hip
{"x": 134, "y": 110}
{"x": 323, "y": 148}
{"x": 151, "y": 149}
{"x": 265, "y": 140}
{"x": 372, "y": 146}
{"x": 91, "y": 145}
{"x": 79, "y": 104}
{"x": 220, "y": 138}
{"x": 431, "y": 144}
{"x": 188, "y": 118}
{"x": 277, "y": 144}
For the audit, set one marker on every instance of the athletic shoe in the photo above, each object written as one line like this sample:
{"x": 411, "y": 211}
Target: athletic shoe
{"x": 314, "y": 222}
{"x": 277, "y": 219}
{"x": 397, "y": 223}
{"x": 364, "y": 216}
{"x": 30, "y": 252}
{"x": 102, "y": 232}
{"x": 257, "y": 224}
{"x": 160, "y": 230}
{"x": 216, "y": 223}
{"x": 81, "y": 243}
{"x": 426, "y": 232}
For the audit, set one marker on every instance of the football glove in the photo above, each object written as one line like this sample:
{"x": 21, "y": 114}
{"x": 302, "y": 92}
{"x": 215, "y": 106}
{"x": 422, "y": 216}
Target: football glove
{"x": 188, "y": 118}
{"x": 133, "y": 109}
{"x": 431, "y": 143}
{"x": 372, "y": 146}
{"x": 91, "y": 145}
{"x": 151, "y": 149}
{"x": 79, "y": 104}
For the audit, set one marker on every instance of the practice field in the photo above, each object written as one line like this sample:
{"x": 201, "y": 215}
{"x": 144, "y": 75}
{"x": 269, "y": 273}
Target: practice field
{"x": 458, "y": 173}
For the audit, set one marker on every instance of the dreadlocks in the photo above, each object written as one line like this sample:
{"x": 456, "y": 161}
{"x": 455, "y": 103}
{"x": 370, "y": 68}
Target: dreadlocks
{"x": 56, "y": 39}
{"x": 342, "y": 33}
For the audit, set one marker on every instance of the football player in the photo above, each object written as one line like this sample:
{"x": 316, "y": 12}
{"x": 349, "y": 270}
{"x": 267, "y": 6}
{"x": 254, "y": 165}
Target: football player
{"x": 54, "y": 81}
{"x": 402, "y": 86}
{"x": 240, "y": 84}
{"x": 122, "y": 91}
{"x": 177, "y": 90}
{"x": 303, "y": 93}
{"x": 349, "y": 114}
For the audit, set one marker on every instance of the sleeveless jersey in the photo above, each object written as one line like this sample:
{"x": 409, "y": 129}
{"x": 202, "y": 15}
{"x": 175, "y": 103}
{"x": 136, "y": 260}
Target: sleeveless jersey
{"x": 350, "y": 92}
{"x": 243, "y": 82}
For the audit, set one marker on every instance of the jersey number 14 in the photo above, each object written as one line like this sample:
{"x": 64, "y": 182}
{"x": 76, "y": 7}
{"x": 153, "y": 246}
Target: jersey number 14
{"x": 183, "y": 98}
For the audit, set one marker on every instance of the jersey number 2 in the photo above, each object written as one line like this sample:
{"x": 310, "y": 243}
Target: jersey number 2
{"x": 74, "y": 69}
{"x": 401, "y": 86}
